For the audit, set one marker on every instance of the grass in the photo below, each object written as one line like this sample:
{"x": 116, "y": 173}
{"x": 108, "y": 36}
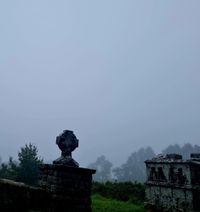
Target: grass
{"x": 102, "y": 204}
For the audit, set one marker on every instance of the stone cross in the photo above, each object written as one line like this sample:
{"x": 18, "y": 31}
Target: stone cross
{"x": 67, "y": 143}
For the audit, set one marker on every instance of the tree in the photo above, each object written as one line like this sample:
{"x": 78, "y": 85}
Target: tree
{"x": 185, "y": 150}
{"x": 9, "y": 170}
{"x": 172, "y": 149}
{"x": 134, "y": 168}
{"x": 103, "y": 169}
{"x": 28, "y": 164}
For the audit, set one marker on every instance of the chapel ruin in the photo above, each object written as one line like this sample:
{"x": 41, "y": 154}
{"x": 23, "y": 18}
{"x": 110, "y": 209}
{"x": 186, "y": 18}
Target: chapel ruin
{"x": 173, "y": 184}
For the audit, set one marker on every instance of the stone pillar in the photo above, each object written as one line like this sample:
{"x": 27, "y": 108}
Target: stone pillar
{"x": 70, "y": 187}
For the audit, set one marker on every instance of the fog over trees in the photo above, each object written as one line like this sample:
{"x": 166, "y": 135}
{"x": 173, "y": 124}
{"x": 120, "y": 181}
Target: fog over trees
{"x": 103, "y": 167}
{"x": 134, "y": 167}
{"x": 25, "y": 169}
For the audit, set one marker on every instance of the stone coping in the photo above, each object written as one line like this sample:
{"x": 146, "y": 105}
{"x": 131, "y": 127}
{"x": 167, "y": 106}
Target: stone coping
{"x": 172, "y": 162}
{"x": 69, "y": 169}
{"x": 18, "y": 184}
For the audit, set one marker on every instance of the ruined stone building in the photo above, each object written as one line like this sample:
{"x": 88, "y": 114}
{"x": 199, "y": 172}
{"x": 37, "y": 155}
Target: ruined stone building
{"x": 173, "y": 184}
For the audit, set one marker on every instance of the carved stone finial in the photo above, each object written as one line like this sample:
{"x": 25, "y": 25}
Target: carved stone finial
{"x": 67, "y": 142}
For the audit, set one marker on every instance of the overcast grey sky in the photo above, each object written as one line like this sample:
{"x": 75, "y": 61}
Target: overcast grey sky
{"x": 120, "y": 74}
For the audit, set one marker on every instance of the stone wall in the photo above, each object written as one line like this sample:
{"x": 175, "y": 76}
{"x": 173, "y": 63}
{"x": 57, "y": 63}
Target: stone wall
{"x": 165, "y": 169}
{"x": 169, "y": 198}
{"x": 61, "y": 189}
{"x": 15, "y": 197}
{"x": 173, "y": 183}
{"x": 70, "y": 187}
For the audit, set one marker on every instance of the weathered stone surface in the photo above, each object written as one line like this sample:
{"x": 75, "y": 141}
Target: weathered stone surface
{"x": 63, "y": 187}
{"x": 195, "y": 156}
{"x": 67, "y": 142}
{"x": 15, "y": 197}
{"x": 70, "y": 187}
{"x": 173, "y": 184}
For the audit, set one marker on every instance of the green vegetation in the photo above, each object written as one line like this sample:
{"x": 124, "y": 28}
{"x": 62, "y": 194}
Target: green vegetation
{"x": 118, "y": 197}
{"x": 25, "y": 169}
{"x": 102, "y": 204}
{"x": 123, "y": 191}
{"x": 28, "y": 164}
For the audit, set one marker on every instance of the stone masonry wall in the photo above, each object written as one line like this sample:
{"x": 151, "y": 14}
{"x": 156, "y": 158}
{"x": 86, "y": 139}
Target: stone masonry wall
{"x": 15, "y": 197}
{"x": 70, "y": 187}
{"x": 170, "y": 199}
{"x": 166, "y": 167}
{"x": 173, "y": 183}
{"x": 61, "y": 189}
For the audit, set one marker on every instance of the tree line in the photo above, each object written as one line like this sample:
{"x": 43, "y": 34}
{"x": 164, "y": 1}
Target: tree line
{"x": 134, "y": 169}
{"x": 25, "y": 169}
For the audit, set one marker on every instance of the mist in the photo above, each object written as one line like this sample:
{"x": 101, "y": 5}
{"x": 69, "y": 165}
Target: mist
{"x": 121, "y": 75}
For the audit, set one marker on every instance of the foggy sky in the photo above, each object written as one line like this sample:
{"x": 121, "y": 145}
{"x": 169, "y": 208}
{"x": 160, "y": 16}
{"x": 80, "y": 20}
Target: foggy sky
{"x": 120, "y": 74}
